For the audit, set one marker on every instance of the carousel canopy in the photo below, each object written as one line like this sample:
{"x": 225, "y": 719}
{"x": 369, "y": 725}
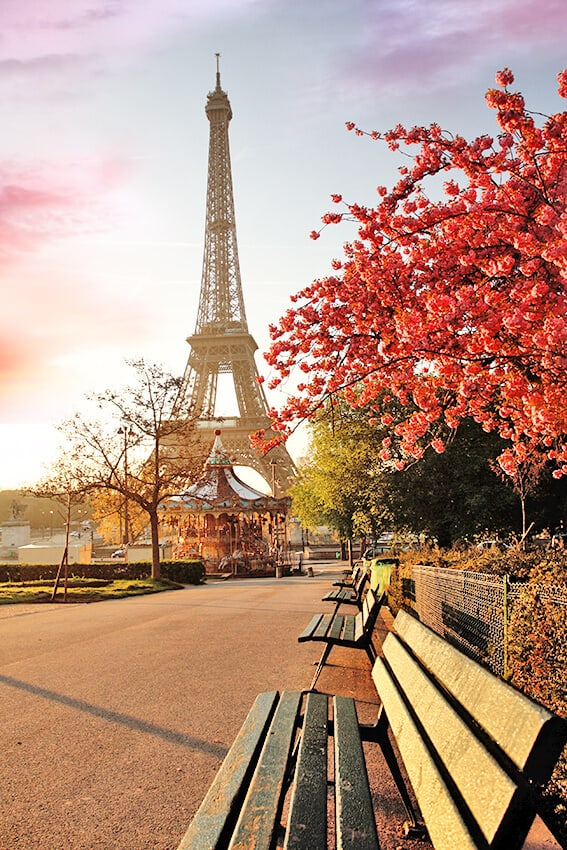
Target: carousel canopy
{"x": 220, "y": 489}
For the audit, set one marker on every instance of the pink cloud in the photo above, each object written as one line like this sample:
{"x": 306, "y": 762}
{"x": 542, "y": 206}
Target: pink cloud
{"x": 37, "y": 205}
{"x": 31, "y": 31}
{"x": 52, "y": 320}
{"x": 50, "y": 311}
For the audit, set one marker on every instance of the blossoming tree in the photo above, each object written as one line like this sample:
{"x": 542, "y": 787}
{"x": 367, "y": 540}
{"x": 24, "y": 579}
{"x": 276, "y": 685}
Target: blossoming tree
{"x": 454, "y": 306}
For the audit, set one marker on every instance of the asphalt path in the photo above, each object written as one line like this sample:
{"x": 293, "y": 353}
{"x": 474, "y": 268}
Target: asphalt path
{"x": 115, "y": 716}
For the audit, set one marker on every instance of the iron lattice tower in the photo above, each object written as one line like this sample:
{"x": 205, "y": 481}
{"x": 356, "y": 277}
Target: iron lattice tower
{"x": 221, "y": 342}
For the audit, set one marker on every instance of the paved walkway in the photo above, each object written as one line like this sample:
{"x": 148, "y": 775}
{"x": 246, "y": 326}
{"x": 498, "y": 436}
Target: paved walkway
{"x": 115, "y": 716}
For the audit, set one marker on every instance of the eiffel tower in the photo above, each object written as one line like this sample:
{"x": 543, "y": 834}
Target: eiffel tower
{"x": 221, "y": 343}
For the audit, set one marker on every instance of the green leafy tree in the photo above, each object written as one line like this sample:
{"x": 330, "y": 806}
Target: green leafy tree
{"x": 342, "y": 485}
{"x": 455, "y": 494}
{"x": 353, "y": 488}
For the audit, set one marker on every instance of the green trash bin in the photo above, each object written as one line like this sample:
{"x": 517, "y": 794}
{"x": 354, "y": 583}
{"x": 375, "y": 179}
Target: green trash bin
{"x": 380, "y": 572}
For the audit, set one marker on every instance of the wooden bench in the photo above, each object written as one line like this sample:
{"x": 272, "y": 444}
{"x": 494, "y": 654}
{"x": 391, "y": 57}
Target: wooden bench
{"x": 348, "y": 595}
{"x": 350, "y": 577}
{"x": 243, "y": 808}
{"x": 474, "y": 748}
{"x": 354, "y": 631}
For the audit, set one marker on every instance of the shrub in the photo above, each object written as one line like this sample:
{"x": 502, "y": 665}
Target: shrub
{"x": 184, "y": 572}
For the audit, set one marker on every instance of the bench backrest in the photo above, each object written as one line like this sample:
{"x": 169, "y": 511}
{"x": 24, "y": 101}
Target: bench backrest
{"x": 360, "y": 584}
{"x": 469, "y": 741}
{"x": 366, "y": 618}
{"x": 355, "y": 576}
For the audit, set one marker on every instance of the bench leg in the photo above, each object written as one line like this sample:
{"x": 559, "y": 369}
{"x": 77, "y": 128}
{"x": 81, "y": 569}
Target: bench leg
{"x": 320, "y": 666}
{"x": 371, "y": 653}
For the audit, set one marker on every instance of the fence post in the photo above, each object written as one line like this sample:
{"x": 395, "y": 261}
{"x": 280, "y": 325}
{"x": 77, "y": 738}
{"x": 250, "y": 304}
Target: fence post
{"x": 505, "y": 625}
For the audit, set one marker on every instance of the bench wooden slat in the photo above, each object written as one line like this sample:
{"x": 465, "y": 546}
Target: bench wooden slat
{"x": 310, "y": 628}
{"x": 256, "y": 824}
{"x": 531, "y": 736}
{"x": 335, "y": 631}
{"x": 307, "y": 820}
{"x": 225, "y": 794}
{"x": 355, "y": 824}
{"x": 323, "y": 627}
{"x": 451, "y": 832}
{"x": 359, "y": 625}
{"x": 348, "y": 632}
{"x": 462, "y": 754}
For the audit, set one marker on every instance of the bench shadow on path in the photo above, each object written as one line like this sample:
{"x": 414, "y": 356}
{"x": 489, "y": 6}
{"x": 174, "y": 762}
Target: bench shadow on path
{"x": 170, "y": 735}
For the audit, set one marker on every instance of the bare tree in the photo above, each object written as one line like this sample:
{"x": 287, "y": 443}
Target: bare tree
{"x": 64, "y": 487}
{"x": 141, "y": 444}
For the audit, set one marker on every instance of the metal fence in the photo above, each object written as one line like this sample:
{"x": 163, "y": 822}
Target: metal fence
{"x": 472, "y": 610}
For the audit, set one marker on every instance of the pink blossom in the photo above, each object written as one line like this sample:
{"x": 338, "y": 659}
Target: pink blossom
{"x": 332, "y": 218}
{"x": 504, "y": 78}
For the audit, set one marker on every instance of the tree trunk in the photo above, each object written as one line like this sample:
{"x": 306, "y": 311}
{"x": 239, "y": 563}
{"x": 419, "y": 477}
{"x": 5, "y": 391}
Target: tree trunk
{"x": 524, "y": 532}
{"x": 154, "y": 526}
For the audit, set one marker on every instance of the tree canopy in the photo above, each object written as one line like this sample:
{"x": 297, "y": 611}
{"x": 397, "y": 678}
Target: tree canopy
{"x": 452, "y": 306}
{"x": 455, "y": 495}
{"x": 341, "y": 485}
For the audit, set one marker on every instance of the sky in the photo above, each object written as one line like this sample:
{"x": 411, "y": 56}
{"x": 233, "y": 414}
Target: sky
{"x": 103, "y": 163}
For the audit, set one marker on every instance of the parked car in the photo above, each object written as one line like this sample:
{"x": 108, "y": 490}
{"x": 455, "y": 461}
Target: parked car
{"x": 376, "y": 549}
{"x": 493, "y": 544}
{"x": 120, "y": 553}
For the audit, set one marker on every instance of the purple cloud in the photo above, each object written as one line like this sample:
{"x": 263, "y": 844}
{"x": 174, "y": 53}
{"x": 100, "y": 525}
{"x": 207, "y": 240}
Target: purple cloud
{"x": 409, "y": 45}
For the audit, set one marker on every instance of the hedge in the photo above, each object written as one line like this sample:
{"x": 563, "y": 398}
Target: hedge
{"x": 183, "y": 572}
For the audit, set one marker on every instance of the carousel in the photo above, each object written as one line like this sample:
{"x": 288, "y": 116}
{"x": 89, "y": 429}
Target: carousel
{"x": 231, "y": 526}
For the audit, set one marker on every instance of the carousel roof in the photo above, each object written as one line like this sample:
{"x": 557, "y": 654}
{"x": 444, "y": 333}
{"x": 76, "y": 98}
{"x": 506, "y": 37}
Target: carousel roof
{"x": 220, "y": 488}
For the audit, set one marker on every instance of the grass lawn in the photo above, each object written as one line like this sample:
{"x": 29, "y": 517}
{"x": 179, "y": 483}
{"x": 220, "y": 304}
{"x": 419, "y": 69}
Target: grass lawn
{"x": 81, "y": 590}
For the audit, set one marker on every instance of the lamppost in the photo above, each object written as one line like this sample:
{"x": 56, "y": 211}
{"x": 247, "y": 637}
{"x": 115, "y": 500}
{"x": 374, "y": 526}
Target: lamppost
{"x": 273, "y": 464}
{"x": 125, "y": 431}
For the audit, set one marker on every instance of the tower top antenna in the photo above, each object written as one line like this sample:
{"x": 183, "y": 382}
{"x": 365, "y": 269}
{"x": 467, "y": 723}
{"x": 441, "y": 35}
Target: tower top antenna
{"x": 218, "y": 70}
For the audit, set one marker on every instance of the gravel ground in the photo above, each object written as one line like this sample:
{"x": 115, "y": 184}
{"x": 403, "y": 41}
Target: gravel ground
{"x": 116, "y": 715}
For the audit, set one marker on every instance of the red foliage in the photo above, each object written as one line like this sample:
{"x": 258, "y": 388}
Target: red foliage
{"x": 455, "y": 307}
